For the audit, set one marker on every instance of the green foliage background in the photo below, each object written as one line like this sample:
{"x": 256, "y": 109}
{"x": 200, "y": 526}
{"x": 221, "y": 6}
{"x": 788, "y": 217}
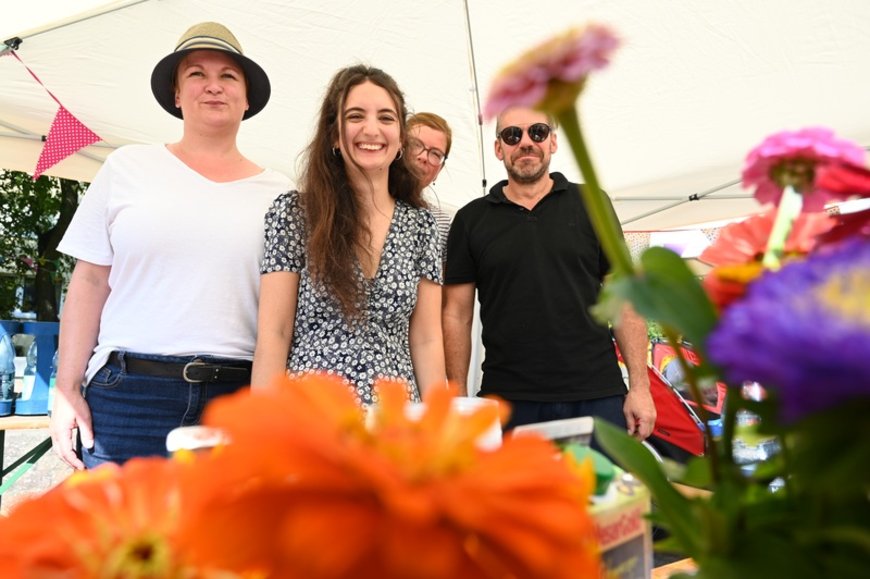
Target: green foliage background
{"x": 34, "y": 216}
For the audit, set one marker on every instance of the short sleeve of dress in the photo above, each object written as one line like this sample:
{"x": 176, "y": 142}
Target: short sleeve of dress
{"x": 429, "y": 242}
{"x": 284, "y": 248}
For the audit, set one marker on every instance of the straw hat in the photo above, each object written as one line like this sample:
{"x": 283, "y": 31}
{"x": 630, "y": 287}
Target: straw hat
{"x": 209, "y": 36}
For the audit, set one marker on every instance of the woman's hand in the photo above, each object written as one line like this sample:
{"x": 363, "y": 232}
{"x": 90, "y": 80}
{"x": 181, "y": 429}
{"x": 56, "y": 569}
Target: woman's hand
{"x": 79, "y": 327}
{"x": 69, "y": 412}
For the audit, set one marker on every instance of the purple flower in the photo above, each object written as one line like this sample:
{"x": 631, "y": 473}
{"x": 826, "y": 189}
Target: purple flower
{"x": 790, "y": 158}
{"x": 803, "y": 331}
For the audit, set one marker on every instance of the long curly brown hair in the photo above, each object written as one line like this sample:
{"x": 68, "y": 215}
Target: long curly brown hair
{"x": 333, "y": 216}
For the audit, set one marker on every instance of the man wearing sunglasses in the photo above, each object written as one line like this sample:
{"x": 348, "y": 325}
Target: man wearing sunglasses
{"x": 429, "y": 140}
{"x": 529, "y": 251}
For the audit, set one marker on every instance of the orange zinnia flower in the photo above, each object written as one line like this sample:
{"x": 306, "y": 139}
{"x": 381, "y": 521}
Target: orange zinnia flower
{"x": 307, "y": 489}
{"x": 736, "y": 254}
{"x": 109, "y": 522}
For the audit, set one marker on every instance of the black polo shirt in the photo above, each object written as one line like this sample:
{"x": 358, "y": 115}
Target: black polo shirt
{"x": 537, "y": 273}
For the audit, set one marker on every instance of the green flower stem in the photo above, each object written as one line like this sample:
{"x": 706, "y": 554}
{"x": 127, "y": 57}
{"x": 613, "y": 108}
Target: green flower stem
{"x": 789, "y": 208}
{"x": 692, "y": 380}
{"x": 603, "y": 217}
{"x": 788, "y": 465}
{"x": 729, "y": 421}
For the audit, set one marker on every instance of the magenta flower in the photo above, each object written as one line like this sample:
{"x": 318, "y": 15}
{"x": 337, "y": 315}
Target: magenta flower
{"x": 791, "y": 158}
{"x": 550, "y": 76}
{"x": 844, "y": 179}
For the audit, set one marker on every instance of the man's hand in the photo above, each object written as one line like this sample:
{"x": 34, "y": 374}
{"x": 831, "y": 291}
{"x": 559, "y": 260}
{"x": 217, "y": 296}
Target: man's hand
{"x": 70, "y": 411}
{"x": 640, "y": 412}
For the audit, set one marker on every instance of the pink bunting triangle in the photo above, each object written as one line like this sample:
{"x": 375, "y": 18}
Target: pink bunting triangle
{"x": 66, "y": 136}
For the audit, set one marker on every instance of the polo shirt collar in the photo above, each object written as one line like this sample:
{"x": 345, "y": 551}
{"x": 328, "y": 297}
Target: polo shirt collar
{"x": 496, "y": 194}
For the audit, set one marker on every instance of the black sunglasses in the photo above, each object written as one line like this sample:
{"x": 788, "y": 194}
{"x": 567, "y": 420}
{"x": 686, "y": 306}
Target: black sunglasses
{"x": 513, "y": 135}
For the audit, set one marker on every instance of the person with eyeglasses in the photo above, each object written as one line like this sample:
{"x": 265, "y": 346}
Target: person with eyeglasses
{"x": 529, "y": 251}
{"x": 429, "y": 141}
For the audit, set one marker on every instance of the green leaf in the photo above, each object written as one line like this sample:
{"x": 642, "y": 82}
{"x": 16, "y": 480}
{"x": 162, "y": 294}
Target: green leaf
{"x": 670, "y": 504}
{"x": 697, "y": 473}
{"x": 760, "y": 555}
{"x": 668, "y": 292}
{"x": 33, "y": 218}
{"x": 817, "y": 447}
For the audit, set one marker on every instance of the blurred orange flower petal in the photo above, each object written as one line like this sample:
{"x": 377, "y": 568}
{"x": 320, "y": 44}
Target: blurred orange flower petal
{"x": 110, "y": 522}
{"x": 406, "y": 497}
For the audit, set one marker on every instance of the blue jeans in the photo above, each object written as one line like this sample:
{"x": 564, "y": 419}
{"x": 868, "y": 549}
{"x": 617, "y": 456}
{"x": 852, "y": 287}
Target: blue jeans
{"x": 132, "y": 413}
{"x": 529, "y": 412}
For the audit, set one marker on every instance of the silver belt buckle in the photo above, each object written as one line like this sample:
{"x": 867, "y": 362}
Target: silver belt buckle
{"x": 187, "y": 366}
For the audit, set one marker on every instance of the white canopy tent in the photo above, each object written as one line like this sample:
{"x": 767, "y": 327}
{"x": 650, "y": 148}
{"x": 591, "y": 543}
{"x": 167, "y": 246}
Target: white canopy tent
{"x": 695, "y": 86}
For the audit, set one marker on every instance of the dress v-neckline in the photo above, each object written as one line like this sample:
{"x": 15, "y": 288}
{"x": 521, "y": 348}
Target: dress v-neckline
{"x": 387, "y": 238}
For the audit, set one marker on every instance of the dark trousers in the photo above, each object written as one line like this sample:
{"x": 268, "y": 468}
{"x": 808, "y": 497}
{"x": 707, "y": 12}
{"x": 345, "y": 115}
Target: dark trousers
{"x": 529, "y": 412}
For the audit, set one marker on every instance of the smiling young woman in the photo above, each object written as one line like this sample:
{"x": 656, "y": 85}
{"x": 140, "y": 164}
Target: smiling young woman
{"x": 352, "y": 273}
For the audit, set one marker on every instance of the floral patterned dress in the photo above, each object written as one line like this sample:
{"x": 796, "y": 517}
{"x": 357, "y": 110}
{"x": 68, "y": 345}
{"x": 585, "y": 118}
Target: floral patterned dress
{"x": 376, "y": 346}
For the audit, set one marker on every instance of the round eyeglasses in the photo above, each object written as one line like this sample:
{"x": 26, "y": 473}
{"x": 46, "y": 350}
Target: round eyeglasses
{"x": 538, "y": 132}
{"x": 435, "y": 157}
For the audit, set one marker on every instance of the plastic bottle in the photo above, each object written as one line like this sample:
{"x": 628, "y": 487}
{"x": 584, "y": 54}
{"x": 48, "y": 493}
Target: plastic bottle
{"x": 749, "y": 391}
{"x": 51, "y": 381}
{"x": 760, "y": 449}
{"x": 7, "y": 367}
{"x": 29, "y": 376}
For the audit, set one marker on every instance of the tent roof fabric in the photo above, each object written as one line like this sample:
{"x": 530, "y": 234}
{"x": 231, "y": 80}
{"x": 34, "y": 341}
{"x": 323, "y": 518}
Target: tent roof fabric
{"x": 686, "y": 97}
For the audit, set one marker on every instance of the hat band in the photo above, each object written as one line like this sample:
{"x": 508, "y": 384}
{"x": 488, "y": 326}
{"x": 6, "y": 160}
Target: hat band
{"x": 207, "y": 42}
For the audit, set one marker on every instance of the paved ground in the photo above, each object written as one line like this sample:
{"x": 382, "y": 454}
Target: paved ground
{"x": 46, "y": 473}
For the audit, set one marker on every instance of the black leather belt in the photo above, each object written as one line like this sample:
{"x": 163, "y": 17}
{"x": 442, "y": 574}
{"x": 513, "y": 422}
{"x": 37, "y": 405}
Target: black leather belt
{"x": 195, "y": 371}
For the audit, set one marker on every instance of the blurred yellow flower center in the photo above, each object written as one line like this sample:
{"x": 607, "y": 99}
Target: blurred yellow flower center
{"x": 799, "y": 173}
{"x": 561, "y": 96}
{"x": 742, "y": 272}
{"x": 422, "y": 454}
{"x": 144, "y": 556}
{"x": 846, "y": 295}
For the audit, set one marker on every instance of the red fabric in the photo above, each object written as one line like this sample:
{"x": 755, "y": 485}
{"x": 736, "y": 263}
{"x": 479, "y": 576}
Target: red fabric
{"x": 663, "y": 354}
{"x": 676, "y": 422}
{"x": 66, "y": 136}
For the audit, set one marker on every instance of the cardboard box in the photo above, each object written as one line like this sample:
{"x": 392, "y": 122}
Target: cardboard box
{"x": 624, "y": 532}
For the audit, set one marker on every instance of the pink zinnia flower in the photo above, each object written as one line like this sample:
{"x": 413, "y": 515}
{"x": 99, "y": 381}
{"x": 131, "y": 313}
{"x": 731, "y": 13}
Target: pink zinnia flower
{"x": 791, "y": 158}
{"x": 550, "y": 76}
{"x": 842, "y": 179}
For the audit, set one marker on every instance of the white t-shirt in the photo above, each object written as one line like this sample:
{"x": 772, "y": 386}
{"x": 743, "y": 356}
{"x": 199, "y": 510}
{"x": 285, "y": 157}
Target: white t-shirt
{"x": 184, "y": 251}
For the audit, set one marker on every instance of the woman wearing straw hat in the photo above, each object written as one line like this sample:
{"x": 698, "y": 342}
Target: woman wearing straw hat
{"x": 160, "y": 314}
{"x": 351, "y": 272}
